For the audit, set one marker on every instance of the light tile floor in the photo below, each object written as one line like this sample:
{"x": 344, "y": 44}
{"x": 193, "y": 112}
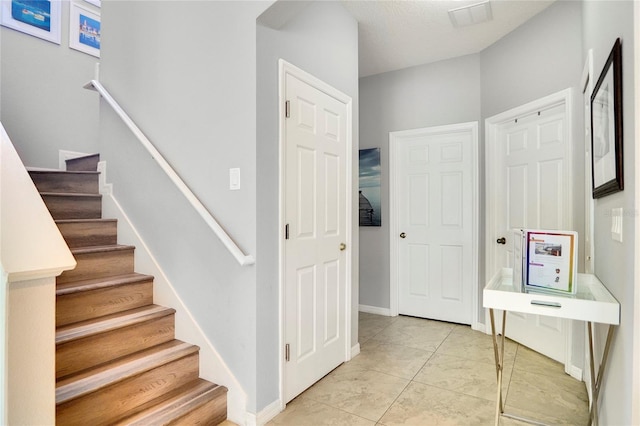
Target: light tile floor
{"x": 413, "y": 371}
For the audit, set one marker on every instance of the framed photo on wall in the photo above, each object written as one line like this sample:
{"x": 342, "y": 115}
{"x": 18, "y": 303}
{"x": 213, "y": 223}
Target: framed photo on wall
{"x": 84, "y": 30}
{"x": 370, "y": 205}
{"x": 37, "y": 18}
{"x": 606, "y": 127}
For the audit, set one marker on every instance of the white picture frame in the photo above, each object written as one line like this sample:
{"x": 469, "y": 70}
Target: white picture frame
{"x": 84, "y": 30}
{"x": 551, "y": 261}
{"x": 30, "y": 17}
{"x": 96, "y": 3}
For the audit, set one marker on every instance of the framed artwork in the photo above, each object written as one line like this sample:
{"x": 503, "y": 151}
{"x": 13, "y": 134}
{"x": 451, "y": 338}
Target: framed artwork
{"x": 38, "y": 18}
{"x": 606, "y": 127}
{"x": 369, "y": 182}
{"x": 96, "y": 3}
{"x": 84, "y": 30}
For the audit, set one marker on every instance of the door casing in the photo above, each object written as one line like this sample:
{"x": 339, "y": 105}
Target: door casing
{"x": 491, "y": 130}
{"x": 394, "y": 140}
{"x": 285, "y": 68}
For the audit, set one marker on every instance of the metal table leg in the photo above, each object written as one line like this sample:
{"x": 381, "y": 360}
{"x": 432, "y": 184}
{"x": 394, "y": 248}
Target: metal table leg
{"x": 499, "y": 357}
{"x": 596, "y": 383}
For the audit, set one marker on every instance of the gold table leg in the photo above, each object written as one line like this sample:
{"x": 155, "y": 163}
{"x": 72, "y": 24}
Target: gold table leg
{"x": 596, "y": 383}
{"x": 499, "y": 357}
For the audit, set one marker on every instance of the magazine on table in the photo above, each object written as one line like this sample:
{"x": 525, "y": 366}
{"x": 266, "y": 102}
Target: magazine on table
{"x": 551, "y": 261}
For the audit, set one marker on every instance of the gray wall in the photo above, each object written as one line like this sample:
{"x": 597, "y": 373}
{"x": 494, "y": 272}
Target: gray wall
{"x": 445, "y": 92}
{"x": 323, "y": 41}
{"x": 542, "y": 57}
{"x": 42, "y": 103}
{"x": 513, "y": 71}
{"x": 604, "y": 21}
{"x": 186, "y": 73}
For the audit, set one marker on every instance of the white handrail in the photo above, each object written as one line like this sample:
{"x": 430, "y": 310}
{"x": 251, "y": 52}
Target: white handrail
{"x": 242, "y": 258}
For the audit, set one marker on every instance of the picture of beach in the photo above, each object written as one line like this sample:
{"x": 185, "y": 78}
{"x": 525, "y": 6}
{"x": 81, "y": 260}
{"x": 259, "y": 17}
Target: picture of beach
{"x": 370, "y": 203}
{"x": 36, "y": 13}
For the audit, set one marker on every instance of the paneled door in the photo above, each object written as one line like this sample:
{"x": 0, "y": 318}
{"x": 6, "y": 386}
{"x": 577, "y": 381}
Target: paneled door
{"x": 315, "y": 252}
{"x": 529, "y": 186}
{"x": 434, "y": 177}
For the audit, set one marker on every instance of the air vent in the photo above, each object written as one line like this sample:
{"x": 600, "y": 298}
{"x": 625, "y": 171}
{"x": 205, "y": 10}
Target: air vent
{"x": 471, "y": 15}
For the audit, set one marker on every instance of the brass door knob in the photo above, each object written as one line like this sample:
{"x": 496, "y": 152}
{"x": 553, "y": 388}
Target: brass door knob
{"x": 343, "y": 246}
{"x": 403, "y": 235}
{"x": 501, "y": 240}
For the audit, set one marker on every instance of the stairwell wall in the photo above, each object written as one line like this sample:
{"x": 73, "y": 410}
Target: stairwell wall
{"x": 42, "y": 103}
{"x": 185, "y": 71}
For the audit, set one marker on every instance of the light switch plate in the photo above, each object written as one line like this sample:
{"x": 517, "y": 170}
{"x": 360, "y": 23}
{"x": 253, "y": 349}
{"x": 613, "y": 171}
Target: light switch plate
{"x": 234, "y": 179}
{"x": 616, "y": 224}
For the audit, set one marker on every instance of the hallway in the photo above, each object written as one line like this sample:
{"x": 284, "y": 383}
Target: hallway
{"x": 419, "y": 372}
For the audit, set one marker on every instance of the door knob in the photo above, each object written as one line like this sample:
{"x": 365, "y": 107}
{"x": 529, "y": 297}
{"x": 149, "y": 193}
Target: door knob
{"x": 403, "y": 235}
{"x": 343, "y": 246}
{"x": 501, "y": 240}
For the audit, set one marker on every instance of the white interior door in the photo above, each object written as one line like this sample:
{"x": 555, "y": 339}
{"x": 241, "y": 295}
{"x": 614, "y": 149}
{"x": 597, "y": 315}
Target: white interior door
{"x": 530, "y": 157}
{"x": 434, "y": 181}
{"x": 315, "y": 259}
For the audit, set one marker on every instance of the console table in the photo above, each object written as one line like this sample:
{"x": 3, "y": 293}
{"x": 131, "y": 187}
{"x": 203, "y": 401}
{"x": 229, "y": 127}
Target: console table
{"x": 592, "y": 303}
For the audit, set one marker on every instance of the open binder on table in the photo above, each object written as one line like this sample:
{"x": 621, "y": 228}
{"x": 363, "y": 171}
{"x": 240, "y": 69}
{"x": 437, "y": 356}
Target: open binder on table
{"x": 546, "y": 261}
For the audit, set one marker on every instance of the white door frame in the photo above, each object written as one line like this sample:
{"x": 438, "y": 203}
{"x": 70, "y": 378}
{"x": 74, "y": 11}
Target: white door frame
{"x": 586, "y": 82}
{"x": 492, "y": 178}
{"x": 394, "y": 215}
{"x": 284, "y": 69}
{"x": 635, "y": 380}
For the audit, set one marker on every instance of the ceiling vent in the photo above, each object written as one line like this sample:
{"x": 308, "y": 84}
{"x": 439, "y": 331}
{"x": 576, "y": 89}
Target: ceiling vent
{"x": 471, "y": 15}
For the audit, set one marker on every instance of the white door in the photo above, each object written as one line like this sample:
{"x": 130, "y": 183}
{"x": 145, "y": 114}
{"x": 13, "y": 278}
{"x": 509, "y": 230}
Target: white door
{"x": 434, "y": 232}
{"x": 315, "y": 263}
{"x": 529, "y": 157}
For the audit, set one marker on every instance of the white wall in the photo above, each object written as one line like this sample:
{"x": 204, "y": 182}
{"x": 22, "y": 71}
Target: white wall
{"x": 445, "y": 92}
{"x": 186, "y": 73}
{"x": 42, "y": 103}
{"x": 603, "y": 22}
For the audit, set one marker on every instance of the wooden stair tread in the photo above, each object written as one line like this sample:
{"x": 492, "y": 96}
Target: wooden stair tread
{"x": 70, "y": 194}
{"x": 100, "y": 249}
{"x": 105, "y": 375}
{"x": 86, "y": 162}
{"x": 34, "y": 170}
{"x": 110, "y": 322}
{"x": 98, "y": 283}
{"x": 64, "y": 221}
{"x": 177, "y": 403}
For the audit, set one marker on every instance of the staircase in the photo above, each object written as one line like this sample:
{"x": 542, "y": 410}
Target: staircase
{"x": 117, "y": 359}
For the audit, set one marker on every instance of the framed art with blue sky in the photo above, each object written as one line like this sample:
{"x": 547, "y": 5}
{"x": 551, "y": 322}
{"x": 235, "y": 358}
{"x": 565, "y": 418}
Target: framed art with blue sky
{"x": 84, "y": 30}
{"x": 38, "y": 18}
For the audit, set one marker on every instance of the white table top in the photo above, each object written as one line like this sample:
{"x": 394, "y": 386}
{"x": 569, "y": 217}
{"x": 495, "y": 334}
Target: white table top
{"x": 592, "y": 302}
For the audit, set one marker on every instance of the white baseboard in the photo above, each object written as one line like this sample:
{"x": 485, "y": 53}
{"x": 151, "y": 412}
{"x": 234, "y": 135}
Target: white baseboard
{"x": 212, "y": 366}
{"x": 575, "y": 372}
{"x": 265, "y": 415}
{"x": 375, "y": 310}
{"x": 478, "y": 326}
{"x": 355, "y": 350}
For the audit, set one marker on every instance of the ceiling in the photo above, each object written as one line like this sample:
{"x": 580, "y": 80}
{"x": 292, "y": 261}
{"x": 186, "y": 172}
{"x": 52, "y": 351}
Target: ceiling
{"x": 397, "y": 34}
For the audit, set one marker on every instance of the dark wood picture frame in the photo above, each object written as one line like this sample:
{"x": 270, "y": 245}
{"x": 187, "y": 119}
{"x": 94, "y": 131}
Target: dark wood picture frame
{"x": 606, "y": 127}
